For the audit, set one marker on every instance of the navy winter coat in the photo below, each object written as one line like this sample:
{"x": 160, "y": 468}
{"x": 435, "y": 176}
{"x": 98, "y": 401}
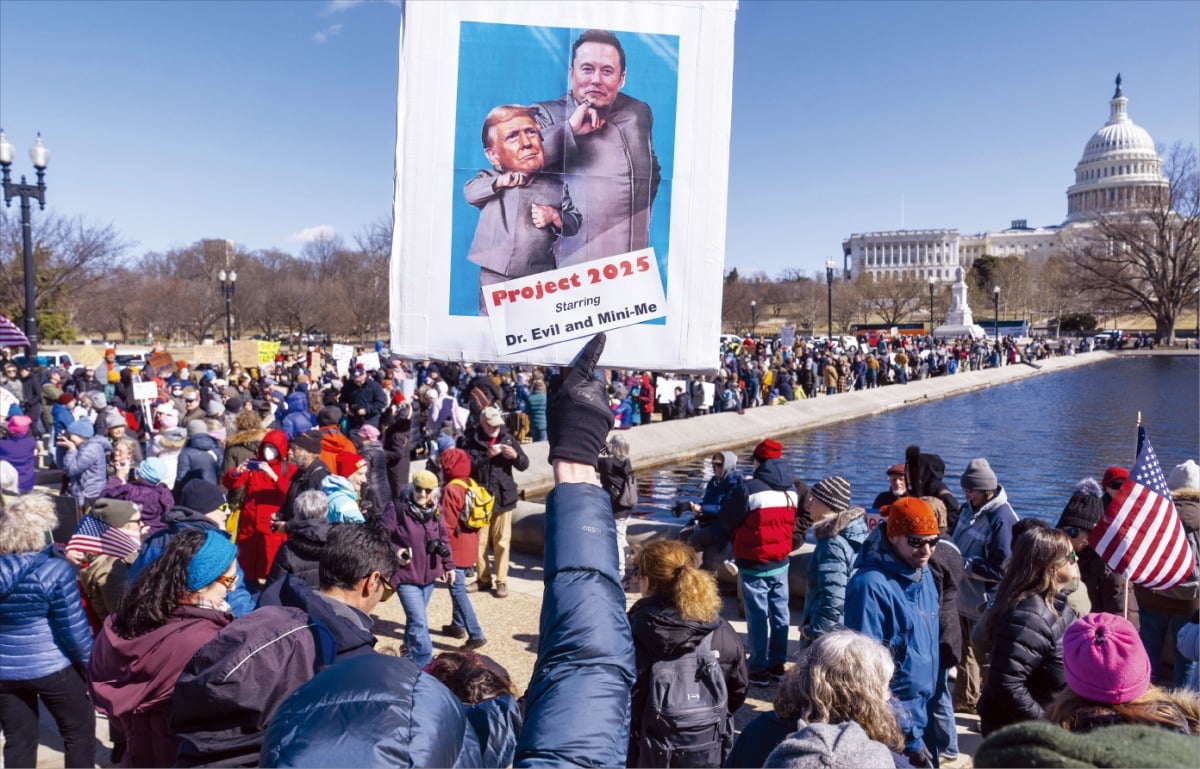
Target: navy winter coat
{"x": 378, "y": 710}
{"x": 200, "y": 458}
{"x": 297, "y": 418}
{"x": 577, "y": 704}
{"x": 42, "y": 626}
{"x": 839, "y": 541}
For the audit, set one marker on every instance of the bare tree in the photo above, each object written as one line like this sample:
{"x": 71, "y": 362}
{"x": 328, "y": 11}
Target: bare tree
{"x": 69, "y": 256}
{"x": 1146, "y": 257}
{"x": 893, "y": 299}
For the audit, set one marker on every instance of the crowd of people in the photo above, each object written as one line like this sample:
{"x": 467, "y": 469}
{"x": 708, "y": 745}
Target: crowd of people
{"x": 237, "y": 531}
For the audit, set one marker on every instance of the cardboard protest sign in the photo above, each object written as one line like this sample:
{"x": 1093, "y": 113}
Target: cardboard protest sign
{"x": 161, "y": 363}
{"x": 538, "y": 207}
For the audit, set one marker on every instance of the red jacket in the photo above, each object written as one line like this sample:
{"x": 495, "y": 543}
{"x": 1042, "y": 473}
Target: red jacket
{"x": 256, "y": 542}
{"x": 464, "y": 545}
{"x": 762, "y": 515}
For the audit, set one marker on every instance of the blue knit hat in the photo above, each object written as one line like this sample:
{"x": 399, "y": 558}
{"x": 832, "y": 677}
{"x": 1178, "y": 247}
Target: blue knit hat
{"x": 152, "y": 470}
{"x": 211, "y": 560}
{"x": 82, "y": 428}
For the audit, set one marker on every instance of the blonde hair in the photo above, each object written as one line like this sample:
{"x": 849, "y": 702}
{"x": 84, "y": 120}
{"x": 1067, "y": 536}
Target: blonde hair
{"x": 24, "y": 523}
{"x": 1177, "y": 709}
{"x": 844, "y": 676}
{"x": 670, "y": 567}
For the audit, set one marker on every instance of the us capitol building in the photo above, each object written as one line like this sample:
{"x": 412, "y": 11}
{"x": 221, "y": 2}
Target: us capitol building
{"x": 1119, "y": 166}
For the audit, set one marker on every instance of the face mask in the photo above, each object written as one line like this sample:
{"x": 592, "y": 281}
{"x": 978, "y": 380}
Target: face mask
{"x": 270, "y": 453}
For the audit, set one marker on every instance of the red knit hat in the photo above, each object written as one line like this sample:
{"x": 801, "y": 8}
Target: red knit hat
{"x": 768, "y": 449}
{"x": 348, "y": 463}
{"x": 910, "y": 517}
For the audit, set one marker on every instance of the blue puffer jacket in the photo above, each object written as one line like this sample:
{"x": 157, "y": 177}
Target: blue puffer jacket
{"x": 85, "y": 464}
{"x": 377, "y": 710}
{"x": 577, "y": 703}
{"x": 42, "y": 626}
{"x": 839, "y": 540}
{"x": 296, "y": 416}
{"x": 177, "y": 519}
{"x": 898, "y": 605}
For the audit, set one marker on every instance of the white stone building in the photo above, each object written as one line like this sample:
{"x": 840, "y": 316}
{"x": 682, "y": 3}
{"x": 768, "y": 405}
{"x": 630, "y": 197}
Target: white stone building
{"x": 1119, "y": 167}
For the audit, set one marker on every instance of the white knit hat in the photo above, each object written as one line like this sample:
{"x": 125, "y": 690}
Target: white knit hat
{"x": 1185, "y": 477}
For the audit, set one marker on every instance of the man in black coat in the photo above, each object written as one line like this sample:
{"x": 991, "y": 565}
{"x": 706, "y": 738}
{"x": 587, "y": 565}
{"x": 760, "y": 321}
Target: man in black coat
{"x": 362, "y": 399}
{"x": 495, "y": 453}
{"x": 305, "y": 453}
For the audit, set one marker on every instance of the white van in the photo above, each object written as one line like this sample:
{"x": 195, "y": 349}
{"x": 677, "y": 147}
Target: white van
{"x": 52, "y": 359}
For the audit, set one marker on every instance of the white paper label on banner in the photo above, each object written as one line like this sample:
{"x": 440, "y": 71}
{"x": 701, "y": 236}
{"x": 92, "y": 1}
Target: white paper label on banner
{"x": 573, "y": 302}
{"x": 145, "y": 391}
{"x": 343, "y": 352}
{"x": 369, "y": 360}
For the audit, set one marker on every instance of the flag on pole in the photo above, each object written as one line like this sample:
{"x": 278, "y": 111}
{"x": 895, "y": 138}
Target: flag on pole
{"x": 1141, "y": 536}
{"x": 88, "y": 536}
{"x": 10, "y": 335}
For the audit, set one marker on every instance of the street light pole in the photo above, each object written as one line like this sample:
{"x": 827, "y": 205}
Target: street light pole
{"x": 932, "y": 282}
{"x": 829, "y": 299}
{"x": 996, "y": 313}
{"x": 753, "y": 316}
{"x": 40, "y": 156}
{"x": 228, "y": 282}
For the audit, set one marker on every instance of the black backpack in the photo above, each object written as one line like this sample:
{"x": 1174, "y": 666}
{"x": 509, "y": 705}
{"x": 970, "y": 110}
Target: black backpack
{"x": 686, "y": 718}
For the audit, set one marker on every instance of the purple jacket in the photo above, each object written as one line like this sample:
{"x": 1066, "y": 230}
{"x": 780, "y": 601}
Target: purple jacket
{"x": 18, "y": 451}
{"x": 133, "y": 679}
{"x": 154, "y": 498}
{"x": 405, "y": 531}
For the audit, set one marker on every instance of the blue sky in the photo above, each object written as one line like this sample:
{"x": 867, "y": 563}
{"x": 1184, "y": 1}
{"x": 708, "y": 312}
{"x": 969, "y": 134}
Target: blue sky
{"x": 267, "y": 122}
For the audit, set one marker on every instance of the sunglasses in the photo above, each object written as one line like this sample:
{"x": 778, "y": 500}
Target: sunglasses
{"x": 229, "y": 582}
{"x": 916, "y": 543}
{"x": 419, "y": 490}
{"x": 1072, "y": 531}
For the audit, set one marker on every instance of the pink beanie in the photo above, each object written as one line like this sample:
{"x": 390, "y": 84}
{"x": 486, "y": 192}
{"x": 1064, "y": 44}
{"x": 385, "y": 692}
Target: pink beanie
{"x": 1104, "y": 659}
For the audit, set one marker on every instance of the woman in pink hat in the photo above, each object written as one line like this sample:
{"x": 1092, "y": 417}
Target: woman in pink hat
{"x": 17, "y": 448}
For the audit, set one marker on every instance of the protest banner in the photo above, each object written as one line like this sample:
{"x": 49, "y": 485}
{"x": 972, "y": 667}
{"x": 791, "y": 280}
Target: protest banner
{"x": 610, "y": 148}
{"x": 161, "y": 363}
{"x": 369, "y": 360}
{"x": 342, "y": 352}
{"x": 145, "y": 391}
{"x": 267, "y": 351}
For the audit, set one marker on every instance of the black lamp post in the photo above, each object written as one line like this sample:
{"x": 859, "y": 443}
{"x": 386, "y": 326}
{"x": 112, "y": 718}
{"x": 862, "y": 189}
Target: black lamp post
{"x": 829, "y": 298}
{"x": 932, "y": 283}
{"x": 40, "y": 156}
{"x": 753, "y": 316}
{"x": 996, "y": 313}
{"x": 228, "y": 282}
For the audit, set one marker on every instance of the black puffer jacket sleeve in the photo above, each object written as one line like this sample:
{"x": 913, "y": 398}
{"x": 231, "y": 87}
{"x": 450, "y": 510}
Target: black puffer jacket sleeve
{"x": 1026, "y": 663}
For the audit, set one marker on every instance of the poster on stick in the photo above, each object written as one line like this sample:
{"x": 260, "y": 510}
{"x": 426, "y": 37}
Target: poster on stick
{"x": 577, "y": 149}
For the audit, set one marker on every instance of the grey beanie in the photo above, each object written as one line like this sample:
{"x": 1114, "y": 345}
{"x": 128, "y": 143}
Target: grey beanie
{"x": 834, "y": 492}
{"x": 830, "y": 746}
{"x": 99, "y": 402}
{"x": 197, "y": 427}
{"x": 214, "y": 408}
{"x": 979, "y": 476}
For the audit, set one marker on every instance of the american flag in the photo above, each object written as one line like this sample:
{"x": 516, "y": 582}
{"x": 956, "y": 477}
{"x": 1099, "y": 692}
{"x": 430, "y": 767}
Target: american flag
{"x": 88, "y": 536}
{"x": 10, "y": 335}
{"x": 117, "y": 543}
{"x": 1141, "y": 536}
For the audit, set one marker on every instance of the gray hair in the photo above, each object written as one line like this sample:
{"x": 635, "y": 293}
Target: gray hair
{"x": 310, "y": 506}
{"x": 24, "y": 523}
{"x": 618, "y": 447}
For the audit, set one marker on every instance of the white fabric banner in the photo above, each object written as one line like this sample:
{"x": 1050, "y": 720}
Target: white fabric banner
{"x": 543, "y": 140}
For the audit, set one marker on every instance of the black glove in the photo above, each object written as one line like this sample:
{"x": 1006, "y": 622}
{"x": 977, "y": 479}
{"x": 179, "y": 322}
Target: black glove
{"x": 578, "y": 417}
{"x": 919, "y": 758}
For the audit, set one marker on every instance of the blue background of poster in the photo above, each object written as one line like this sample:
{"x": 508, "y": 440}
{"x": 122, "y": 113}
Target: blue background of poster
{"x": 518, "y": 64}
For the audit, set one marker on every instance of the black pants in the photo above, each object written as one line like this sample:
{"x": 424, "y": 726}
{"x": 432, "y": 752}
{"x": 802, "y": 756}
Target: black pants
{"x": 66, "y": 696}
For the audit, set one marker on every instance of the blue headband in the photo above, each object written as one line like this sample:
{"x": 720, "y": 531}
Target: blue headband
{"x": 210, "y": 561}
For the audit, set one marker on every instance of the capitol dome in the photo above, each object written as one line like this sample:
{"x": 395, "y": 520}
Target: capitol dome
{"x": 1119, "y": 167}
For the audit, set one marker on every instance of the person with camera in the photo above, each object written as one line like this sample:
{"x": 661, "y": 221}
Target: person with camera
{"x": 265, "y": 481}
{"x": 415, "y": 528}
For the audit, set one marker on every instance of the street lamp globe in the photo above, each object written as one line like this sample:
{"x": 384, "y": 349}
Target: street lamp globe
{"x": 38, "y": 154}
{"x": 6, "y": 150}
{"x": 221, "y": 276}
{"x": 232, "y": 276}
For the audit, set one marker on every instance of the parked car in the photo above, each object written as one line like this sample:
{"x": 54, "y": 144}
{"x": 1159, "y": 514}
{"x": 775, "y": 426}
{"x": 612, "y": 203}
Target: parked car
{"x": 132, "y": 357}
{"x": 51, "y": 358}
